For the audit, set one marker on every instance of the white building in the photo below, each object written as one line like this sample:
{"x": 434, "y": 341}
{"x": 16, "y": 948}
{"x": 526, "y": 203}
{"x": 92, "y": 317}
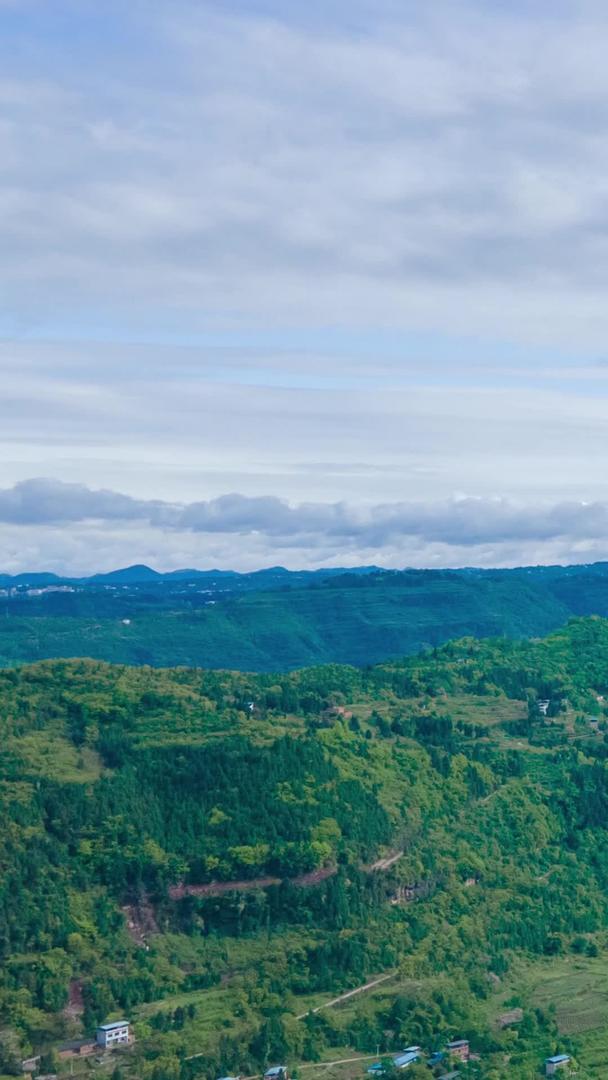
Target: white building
{"x": 114, "y": 1034}
{"x": 559, "y": 1061}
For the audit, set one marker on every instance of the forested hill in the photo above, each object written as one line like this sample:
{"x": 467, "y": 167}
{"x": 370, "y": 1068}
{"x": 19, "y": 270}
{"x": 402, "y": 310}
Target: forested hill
{"x": 215, "y": 853}
{"x": 229, "y": 622}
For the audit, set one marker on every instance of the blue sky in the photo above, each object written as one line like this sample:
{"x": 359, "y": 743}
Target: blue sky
{"x": 348, "y": 256}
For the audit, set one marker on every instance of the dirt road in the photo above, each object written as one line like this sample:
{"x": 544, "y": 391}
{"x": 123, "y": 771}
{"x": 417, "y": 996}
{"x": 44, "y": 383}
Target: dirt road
{"x": 387, "y": 861}
{"x": 217, "y": 888}
{"x": 349, "y": 994}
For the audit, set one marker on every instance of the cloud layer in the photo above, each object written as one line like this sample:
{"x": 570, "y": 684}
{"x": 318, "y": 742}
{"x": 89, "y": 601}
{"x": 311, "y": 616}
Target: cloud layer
{"x": 437, "y": 166}
{"x": 395, "y": 532}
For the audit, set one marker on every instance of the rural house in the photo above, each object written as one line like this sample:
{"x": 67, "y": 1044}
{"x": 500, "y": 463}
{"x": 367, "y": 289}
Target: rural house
{"x": 552, "y": 1064}
{"x": 459, "y": 1048}
{"x": 408, "y": 1057}
{"x": 76, "y": 1048}
{"x": 114, "y": 1034}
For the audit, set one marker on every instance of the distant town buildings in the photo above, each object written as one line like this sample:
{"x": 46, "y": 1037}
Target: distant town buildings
{"x": 44, "y": 590}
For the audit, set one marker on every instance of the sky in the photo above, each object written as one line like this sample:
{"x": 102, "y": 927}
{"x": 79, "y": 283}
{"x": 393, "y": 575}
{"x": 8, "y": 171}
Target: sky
{"x": 303, "y": 283}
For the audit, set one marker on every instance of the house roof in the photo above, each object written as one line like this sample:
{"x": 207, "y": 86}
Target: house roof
{"x": 276, "y": 1070}
{"x": 557, "y": 1059}
{"x": 405, "y": 1059}
{"x": 458, "y": 1042}
{"x": 114, "y": 1024}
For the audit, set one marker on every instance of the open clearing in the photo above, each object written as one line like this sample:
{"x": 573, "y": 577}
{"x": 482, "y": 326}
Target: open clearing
{"x": 577, "y": 987}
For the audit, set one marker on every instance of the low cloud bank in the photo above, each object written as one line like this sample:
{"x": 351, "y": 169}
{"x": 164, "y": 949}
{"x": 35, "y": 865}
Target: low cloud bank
{"x": 461, "y": 522}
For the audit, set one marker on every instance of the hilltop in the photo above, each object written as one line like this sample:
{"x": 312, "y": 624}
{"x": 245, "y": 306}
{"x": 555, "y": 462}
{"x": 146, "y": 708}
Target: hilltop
{"x": 215, "y": 853}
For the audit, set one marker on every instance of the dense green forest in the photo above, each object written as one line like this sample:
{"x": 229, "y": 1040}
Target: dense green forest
{"x": 215, "y": 854}
{"x": 278, "y": 621}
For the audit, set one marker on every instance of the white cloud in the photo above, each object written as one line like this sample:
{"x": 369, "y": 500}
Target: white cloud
{"x": 238, "y": 528}
{"x": 438, "y": 167}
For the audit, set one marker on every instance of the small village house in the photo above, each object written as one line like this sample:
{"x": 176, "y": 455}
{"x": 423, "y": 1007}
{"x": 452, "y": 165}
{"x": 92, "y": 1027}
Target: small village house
{"x": 407, "y": 1058}
{"x": 553, "y": 1064}
{"x": 277, "y": 1072}
{"x": 114, "y": 1034}
{"x": 30, "y": 1065}
{"x": 76, "y": 1048}
{"x": 402, "y": 1060}
{"x": 459, "y": 1048}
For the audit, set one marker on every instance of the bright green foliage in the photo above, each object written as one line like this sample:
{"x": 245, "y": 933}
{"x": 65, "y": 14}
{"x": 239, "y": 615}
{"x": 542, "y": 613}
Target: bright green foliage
{"x": 118, "y": 784}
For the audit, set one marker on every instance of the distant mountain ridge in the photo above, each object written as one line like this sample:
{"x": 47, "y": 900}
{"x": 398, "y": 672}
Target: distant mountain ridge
{"x": 139, "y": 574}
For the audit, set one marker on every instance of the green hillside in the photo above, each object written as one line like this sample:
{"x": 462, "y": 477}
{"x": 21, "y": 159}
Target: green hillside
{"x": 215, "y": 854}
{"x": 354, "y": 620}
